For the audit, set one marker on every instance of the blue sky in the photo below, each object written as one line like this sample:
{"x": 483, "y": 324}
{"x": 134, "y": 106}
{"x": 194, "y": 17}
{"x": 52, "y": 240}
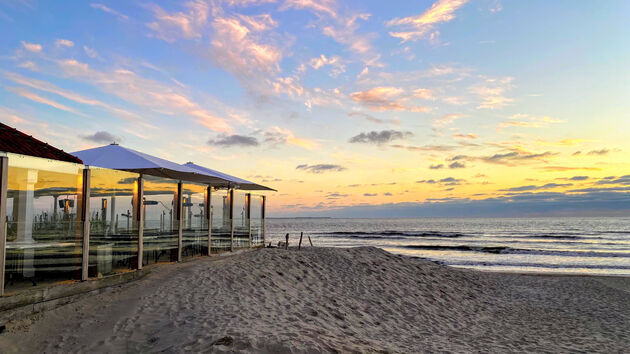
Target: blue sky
{"x": 338, "y": 105}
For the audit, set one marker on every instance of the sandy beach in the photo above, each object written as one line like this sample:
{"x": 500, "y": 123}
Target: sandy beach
{"x": 334, "y": 300}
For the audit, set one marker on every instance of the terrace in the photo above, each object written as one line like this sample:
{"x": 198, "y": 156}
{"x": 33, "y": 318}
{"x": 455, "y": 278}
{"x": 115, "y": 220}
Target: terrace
{"x": 67, "y": 218}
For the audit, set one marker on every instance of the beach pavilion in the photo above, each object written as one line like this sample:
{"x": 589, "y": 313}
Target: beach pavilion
{"x": 112, "y": 210}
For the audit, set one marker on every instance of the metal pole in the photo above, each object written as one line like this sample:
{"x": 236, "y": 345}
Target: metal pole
{"x": 4, "y": 171}
{"x": 85, "y": 210}
{"x": 140, "y": 219}
{"x": 180, "y": 224}
{"x": 231, "y": 194}
{"x": 264, "y": 231}
{"x": 209, "y": 217}
{"x": 248, "y": 214}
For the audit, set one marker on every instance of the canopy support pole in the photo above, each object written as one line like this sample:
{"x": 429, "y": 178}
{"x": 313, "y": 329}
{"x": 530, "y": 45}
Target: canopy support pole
{"x": 209, "y": 217}
{"x": 139, "y": 197}
{"x": 85, "y": 211}
{"x": 231, "y": 194}
{"x": 264, "y": 231}
{"x": 180, "y": 224}
{"x": 248, "y": 201}
{"x": 4, "y": 172}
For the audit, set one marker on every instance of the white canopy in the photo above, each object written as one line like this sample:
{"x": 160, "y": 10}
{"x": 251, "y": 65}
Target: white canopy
{"x": 241, "y": 183}
{"x": 117, "y": 157}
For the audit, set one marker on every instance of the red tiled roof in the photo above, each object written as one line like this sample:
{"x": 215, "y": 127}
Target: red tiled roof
{"x": 13, "y": 140}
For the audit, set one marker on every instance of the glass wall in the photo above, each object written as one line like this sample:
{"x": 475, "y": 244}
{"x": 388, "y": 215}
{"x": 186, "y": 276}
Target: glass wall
{"x": 256, "y": 220}
{"x": 241, "y": 220}
{"x": 161, "y": 227}
{"x": 44, "y": 227}
{"x": 221, "y": 229}
{"x": 195, "y": 222}
{"x": 113, "y": 222}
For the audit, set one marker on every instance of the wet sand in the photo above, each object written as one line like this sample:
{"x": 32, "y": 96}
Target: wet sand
{"x": 334, "y": 300}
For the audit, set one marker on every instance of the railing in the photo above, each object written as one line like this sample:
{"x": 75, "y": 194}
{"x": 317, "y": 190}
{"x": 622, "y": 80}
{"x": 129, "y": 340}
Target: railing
{"x": 61, "y": 221}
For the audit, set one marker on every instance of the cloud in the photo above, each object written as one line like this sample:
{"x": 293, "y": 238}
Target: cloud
{"x": 456, "y": 164}
{"x": 370, "y": 194}
{"x": 281, "y": 136}
{"x": 234, "y": 140}
{"x": 624, "y": 180}
{"x": 32, "y": 47}
{"x": 535, "y": 122}
{"x": 39, "y": 99}
{"x": 465, "y": 136}
{"x": 448, "y": 181}
{"x": 385, "y": 98}
{"x": 238, "y": 47}
{"x": 102, "y": 7}
{"x": 327, "y": 7}
{"x": 423, "y": 93}
{"x": 422, "y": 26}
{"x": 446, "y": 120}
{"x": 380, "y": 137}
{"x": 170, "y": 26}
{"x": 425, "y": 148}
{"x": 436, "y": 167}
{"x": 48, "y": 87}
{"x": 599, "y": 152}
{"x": 373, "y": 119}
{"x": 567, "y": 168}
{"x": 90, "y": 52}
{"x": 102, "y": 137}
{"x": 334, "y": 61}
{"x": 147, "y": 93}
{"x": 579, "y": 178}
{"x": 64, "y": 43}
{"x": 533, "y": 187}
{"x": 492, "y": 92}
{"x": 320, "y": 168}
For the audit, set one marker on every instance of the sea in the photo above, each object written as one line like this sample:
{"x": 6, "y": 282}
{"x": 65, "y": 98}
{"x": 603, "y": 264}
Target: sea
{"x": 563, "y": 245}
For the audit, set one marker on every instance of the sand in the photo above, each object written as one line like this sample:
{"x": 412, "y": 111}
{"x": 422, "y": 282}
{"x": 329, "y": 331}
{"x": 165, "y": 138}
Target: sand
{"x": 334, "y": 300}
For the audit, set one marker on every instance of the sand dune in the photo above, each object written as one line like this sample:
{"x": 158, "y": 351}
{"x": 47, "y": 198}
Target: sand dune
{"x": 335, "y": 300}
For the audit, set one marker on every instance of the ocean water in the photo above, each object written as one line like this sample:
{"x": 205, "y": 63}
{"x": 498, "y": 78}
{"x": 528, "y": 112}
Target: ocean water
{"x": 567, "y": 245}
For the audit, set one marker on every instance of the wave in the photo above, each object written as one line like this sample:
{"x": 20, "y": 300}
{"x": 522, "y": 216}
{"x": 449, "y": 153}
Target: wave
{"x": 511, "y": 250}
{"x": 392, "y": 234}
{"x": 534, "y": 265}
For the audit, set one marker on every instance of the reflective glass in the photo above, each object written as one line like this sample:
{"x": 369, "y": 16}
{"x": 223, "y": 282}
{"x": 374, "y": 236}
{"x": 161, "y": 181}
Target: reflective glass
{"x": 160, "y": 220}
{"x": 220, "y": 212}
{"x": 113, "y": 222}
{"x": 241, "y": 220}
{"x": 44, "y": 227}
{"x": 195, "y": 222}
{"x": 256, "y": 220}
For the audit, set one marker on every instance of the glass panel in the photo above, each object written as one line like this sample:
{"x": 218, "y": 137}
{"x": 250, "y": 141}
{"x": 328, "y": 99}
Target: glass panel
{"x": 195, "y": 232}
{"x": 160, "y": 220}
{"x": 241, "y": 220}
{"x": 44, "y": 228}
{"x": 113, "y": 222}
{"x": 220, "y": 209}
{"x": 256, "y": 220}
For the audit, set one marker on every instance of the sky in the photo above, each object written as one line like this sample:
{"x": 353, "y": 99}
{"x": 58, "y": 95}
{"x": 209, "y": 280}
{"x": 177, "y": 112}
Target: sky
{"x": 347, "y": 108}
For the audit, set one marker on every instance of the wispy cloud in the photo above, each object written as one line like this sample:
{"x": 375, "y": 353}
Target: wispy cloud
{"x": 32, "y": 47}
{"x": 282, "y": 136}
{"x": 102, "y": 137}
{"x": 527, "y": 121}
{"x": 422, "y": 26}
{"x": 371, "y": 118}
{"x": 320, "y": 168}
{"x": 64, "y": 43}
{"x": 170, "y": 26}
{"x": 534, "y": 187}
{"x": 380, "y": 137}
{"x": 147, "y": 93}
{"x": 386, "y": 98}
{"x": 492, "y": 92}
{"x": 43, "y": 100}
{"x": 446, "y": 120}
{"x": 234, "y": 140}
{"x": 102, "y": 7}
{"x": 48, "y": 87}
